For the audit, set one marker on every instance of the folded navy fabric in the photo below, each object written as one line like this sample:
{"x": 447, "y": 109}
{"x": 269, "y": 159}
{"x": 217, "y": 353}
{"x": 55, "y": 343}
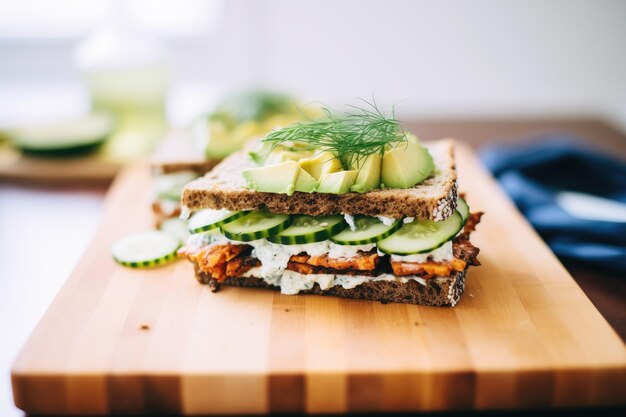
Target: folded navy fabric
{"x": 534, "y": 173}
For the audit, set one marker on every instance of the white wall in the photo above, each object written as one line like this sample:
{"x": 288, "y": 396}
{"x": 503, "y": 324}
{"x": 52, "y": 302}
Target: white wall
{"x": 438, "y": 58}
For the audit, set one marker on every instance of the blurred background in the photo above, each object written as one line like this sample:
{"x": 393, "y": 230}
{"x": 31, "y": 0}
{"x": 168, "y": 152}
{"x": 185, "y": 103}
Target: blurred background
{"x": 112, "y": 78}
{"x": 434, "y": 58}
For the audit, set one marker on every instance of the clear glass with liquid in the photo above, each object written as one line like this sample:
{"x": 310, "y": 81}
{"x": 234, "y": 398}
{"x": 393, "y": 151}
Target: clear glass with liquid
{"x": 126, "y": 76}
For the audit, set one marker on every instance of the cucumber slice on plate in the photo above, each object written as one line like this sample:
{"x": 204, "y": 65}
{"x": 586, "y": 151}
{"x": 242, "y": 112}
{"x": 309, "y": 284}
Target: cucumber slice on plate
{"x": 463, "y": 209}
{"x": 421, "y": 236}
{"x": 309, "y": 229}
{"x": 67, "y": 138}
{"x": 145, "y": 249}
{"x": 255, "y": 225}
{"x": 209, "y": 219}
{"x": 368, "y": 230}
{"x": 175, "y": 227}
{"x": 170, "y": 186}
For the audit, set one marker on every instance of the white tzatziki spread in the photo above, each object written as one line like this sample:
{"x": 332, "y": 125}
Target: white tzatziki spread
{"x": 291, "y": 282}
{"x": 350, "y": 220}
{"x": 275, "y": 257}
{"x": 210, "y": 238}
{"x": 387, "y": 221}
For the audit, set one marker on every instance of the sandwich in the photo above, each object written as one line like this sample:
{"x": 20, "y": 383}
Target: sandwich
{"x": 175, "y": 163}
{"x": 237, "y": 119}
{"x": 350, "y": 205}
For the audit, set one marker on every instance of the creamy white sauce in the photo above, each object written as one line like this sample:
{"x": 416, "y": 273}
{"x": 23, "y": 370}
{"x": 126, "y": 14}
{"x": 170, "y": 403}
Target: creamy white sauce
{"x": 274, "y": 257}
{"x": 408, "y": 220}
{"x": 443, "y": 253}
{"x": 350, "y": 220}
{"x": 291, "y": 282}
{"x": 210, "y": 238}
{"x": 387, "y": 221}
{"x": 347, "y": 251}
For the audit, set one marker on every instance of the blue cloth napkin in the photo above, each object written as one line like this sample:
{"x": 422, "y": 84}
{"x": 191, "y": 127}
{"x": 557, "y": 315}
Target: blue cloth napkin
{"x": 532, "y": 174}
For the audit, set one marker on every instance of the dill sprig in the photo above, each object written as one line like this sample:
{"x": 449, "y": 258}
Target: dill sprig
{"x": 351, "y": 136}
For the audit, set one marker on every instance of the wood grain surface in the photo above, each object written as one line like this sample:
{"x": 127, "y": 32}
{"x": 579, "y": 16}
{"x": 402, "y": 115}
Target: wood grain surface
{"x": 120, "y": 340}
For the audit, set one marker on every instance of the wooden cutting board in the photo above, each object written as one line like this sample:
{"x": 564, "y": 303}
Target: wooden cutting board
{"x": 121, "y": 340}
{"x": 18, "y": 167}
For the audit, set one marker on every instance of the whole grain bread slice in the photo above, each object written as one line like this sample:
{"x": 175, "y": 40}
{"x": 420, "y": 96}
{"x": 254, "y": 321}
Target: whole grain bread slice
{"x": 434, "y": 198}
{"x": 436, "y": 292}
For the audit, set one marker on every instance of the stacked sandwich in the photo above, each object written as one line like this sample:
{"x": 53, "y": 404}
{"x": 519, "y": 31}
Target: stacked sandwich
{"x": 351, "y": 206}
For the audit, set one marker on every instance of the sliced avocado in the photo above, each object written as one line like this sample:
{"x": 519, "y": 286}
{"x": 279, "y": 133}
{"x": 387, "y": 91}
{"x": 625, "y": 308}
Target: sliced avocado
{"x": 305, "y": 182}
{"x": 266, "y": 154}
{"x": 260, "y": 152}
{"x": 405, "y": 165}
{"x": 297, "y": 146}
{"x": 369, "y": 174}
{"x": 220, "y": 139}
{"x": 324, "y": 163}
{"x": 337, "y": 182}
{"x": 278, "y": 178}
{"x": 216, "y": 137}
{"x": 411, "y": 137}
{"x": 276, "y": 157}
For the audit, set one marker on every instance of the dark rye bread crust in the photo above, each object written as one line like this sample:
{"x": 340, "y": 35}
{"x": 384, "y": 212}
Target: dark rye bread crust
{"x": 433, "y": 199}
{"x": 437, "y": 291}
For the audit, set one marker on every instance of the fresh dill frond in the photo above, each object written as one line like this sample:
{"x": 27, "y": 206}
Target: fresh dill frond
{"x": 351, "y": 136}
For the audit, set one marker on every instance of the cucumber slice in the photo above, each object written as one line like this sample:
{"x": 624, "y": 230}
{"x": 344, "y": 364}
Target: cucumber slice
{"x": 72, "y": 137}
{"x": 256, "y": 225}
{"x": 170, "y": 186}
{"x": 209, "y": 219}
{"x": 368, "y": 230}
{"x": 175, "y": 227}
{"x": 309, "y": 229}
{"x": 421, "y": 236}
{"x": 145, "y": 249}
{"x": 463, "y": 209}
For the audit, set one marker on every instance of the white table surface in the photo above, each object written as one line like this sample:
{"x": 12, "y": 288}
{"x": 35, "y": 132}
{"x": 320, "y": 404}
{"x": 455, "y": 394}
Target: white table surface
{"x": 43, "y": 233}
